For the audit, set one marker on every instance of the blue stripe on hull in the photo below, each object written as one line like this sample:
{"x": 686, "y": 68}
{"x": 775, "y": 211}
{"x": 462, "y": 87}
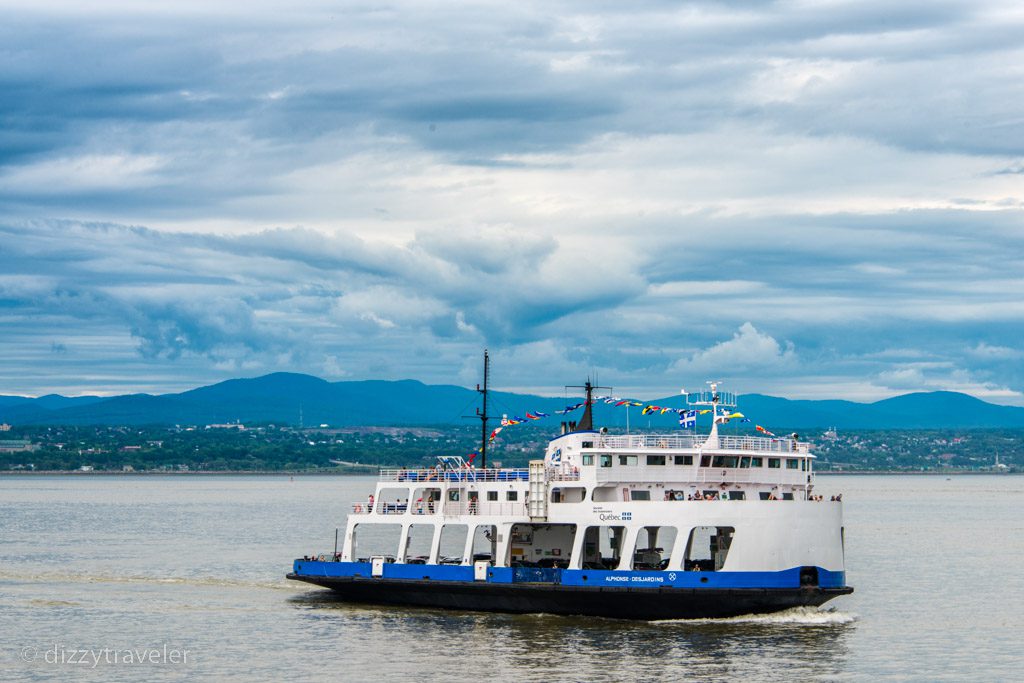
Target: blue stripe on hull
{"x": 788, "y": 578}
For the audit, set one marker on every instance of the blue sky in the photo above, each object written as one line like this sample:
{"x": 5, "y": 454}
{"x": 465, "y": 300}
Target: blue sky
{"x": 813, "y": 200}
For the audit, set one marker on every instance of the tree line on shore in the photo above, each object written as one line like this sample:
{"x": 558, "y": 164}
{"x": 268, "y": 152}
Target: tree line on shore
{"x": 266, "y": 447}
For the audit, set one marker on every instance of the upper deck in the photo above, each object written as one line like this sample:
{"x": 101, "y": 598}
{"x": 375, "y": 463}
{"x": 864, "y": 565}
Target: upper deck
{"x": 691, "y": 442}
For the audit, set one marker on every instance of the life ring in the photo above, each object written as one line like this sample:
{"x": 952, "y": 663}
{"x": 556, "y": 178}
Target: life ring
{"x": 678, "y": 495}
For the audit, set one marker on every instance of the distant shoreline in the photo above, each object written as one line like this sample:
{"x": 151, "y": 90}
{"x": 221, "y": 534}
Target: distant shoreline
{"x": 356, "y": 473}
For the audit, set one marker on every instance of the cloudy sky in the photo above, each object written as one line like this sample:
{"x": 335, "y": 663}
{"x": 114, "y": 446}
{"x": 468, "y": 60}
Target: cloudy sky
{"x": 808, "y": 199}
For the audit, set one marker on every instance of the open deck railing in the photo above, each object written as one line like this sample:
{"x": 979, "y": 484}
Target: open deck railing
{"x": 458, "y": 507}
{"x": 431, "y": 474}
{"x": 692, "y": 441}
{"x": 472, "y": 475}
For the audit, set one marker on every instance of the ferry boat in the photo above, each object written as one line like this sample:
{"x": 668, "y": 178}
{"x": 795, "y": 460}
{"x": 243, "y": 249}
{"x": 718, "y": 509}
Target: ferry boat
{"x": 635, "y": 526}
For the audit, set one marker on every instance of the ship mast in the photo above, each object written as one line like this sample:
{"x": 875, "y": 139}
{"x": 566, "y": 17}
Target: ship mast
{"x": 482, "y": 414}
{"x": 586, "y": 422}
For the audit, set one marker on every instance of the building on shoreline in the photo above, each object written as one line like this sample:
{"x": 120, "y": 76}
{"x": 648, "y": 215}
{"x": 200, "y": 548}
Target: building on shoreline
{"x": 17, "y": 445}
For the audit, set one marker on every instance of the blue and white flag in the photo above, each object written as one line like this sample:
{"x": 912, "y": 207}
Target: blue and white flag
{"x": 688, "y": 419}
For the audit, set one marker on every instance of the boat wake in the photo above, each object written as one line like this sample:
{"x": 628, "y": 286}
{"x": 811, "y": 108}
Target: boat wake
{"x": 796, "y": 616}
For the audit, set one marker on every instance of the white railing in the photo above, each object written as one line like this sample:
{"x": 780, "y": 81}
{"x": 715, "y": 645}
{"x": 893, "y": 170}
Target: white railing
{"x": 558, "y": 474}
{"x": 511, "y": 508}
{"x": 432, "y": 474}
{"x": 692, "y": 441}
{"x": 688, "y": 474}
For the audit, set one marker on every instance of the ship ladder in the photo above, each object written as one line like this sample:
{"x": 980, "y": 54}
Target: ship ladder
{"x": 538, "y": 506}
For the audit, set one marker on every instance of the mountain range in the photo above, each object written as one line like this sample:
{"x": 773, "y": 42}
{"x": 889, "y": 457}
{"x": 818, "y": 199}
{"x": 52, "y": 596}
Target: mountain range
{"x": 287, "y": 398}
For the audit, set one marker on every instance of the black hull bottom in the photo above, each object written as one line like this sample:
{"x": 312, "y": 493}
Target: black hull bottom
{"x": 611, "y": 602}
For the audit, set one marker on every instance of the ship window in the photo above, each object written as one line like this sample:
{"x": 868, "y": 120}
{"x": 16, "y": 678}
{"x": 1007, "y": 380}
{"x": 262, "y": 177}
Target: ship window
{"x": 453, "y": 543}
{"x": 787, "y": 496}
{"x": 773, "y": 463}
{"x": 803, "y": 465}
{"x": 606, "y": 461}
{"x": 724, "y": 461}
{"x": 588, "y": 444}
{"x": 756, "y": 462}
{"x": 376, "y": 539}
{"x": 653, "y": 546}
{"x": 540, "y": 546}
{"x": 684, "y": 459}
{"x": 492, "y": 495}
{"x": 765, "y": 495}
{"x": 628, "y": 460}
{"x": 485, "y": 543}
{"x": 705, "y": 461}
{"x": 512, "y": 495}
{"x": 792, "y": 464}
{"x": 639, "y": 495}
{"x": 655, "y": 459}
{"x": 393, "y": 501}
{"x": 602, "y": 547}
{"x": 588, "y": 459}
{"x": 569, "y": 494}
{"x": 707, "y": 548}
{"x": 744, "y": 462}
{"x": 737, "y": 495}
{"x": 424, "y": 501}
{"x": 417, "y": 549}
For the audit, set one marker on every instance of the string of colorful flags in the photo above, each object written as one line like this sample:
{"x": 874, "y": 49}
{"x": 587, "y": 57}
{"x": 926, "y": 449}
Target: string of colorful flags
{"x": 687, "y": 417}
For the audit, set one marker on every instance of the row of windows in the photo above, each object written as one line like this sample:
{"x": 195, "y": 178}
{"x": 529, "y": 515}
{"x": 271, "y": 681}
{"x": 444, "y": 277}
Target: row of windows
{"x": 509, "y": 495}
{"x": 726, "y": 461}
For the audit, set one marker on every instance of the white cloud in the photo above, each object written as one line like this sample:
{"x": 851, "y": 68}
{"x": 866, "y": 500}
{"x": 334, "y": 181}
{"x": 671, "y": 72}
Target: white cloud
{"x": 585, "y": 187}
{"x": 749, "y": 351}
{"x": 992, "y": 352}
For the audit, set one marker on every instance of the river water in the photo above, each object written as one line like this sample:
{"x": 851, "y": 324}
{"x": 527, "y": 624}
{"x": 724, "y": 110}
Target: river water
{"x": 196, "y": 564}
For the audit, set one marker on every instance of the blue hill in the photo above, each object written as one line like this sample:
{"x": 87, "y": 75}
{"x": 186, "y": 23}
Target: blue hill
{"x": 284, "y": 397}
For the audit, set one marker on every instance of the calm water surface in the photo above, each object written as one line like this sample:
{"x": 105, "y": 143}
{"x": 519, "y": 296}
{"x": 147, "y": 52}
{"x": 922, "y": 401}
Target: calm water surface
{"x": 197, "y": 564}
